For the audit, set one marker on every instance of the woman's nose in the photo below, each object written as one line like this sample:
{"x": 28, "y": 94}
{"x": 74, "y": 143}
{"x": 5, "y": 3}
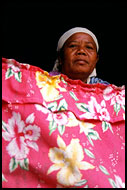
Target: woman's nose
{"x": 81, "y": 51}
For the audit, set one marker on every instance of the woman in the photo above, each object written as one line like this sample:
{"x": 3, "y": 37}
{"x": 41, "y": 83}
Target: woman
{"x": 77, "y": 55}
{"x": 58, "y": 132}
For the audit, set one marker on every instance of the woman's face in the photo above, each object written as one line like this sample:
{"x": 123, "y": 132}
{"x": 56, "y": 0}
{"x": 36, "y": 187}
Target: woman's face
{"x": 79, "y": 56}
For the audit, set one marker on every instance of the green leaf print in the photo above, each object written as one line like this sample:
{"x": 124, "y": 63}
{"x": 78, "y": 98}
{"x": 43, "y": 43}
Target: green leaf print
{"x": 13, "y": 164}
{"x": 104, "y": 170}
{"x": 4, "y": 126}
{"x": 82, "y": 107}
{"x": 18, "y": 76}
{"x": 24, "y": 164}
{"x": 3, "y": 178}
{"x": 123, "y": 107}
{"x": 52, "y": 106}
{"x": 9, "y": 73}
{"x": 89, "y": 153}
{"x": 52, "y": 126}
{"x": 62, "y": 79}
{"x": 93, "y": 134}
{"x": 112, "y": 182}
{"x": 90, "y": 140}
{"x": 72, "y": 94}
{"x": 117, "y": 108}
{"x": 106, "y": 126}
{"x": 110, "y": 127}
{"x": 62, "y": 105}
{"x": 82, "y": 182}
{"x": 61, "y": 129}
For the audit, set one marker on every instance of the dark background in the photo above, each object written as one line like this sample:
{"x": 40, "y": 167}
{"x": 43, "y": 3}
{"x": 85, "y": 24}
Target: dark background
{"x": 31, "y": 30}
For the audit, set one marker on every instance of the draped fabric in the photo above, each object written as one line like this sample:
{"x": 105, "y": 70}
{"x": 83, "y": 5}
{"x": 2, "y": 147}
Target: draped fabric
{"x": 58, "y": 132}
{"x": 92, "y": 79}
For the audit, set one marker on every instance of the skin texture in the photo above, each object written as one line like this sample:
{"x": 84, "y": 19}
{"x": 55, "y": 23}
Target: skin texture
{"x": 79, "y": 56}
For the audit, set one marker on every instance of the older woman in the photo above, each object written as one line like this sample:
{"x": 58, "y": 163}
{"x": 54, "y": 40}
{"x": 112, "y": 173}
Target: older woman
{"x": 58, "y": 132}
{"x": 77, "y": 55}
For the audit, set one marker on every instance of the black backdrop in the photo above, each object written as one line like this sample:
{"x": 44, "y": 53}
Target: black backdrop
{"x": 31, "y": 30}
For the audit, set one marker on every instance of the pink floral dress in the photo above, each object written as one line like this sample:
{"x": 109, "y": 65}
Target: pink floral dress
{"x": 59, "y": 133}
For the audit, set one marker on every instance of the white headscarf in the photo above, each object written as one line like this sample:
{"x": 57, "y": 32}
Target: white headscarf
{"x": 72, "y": 31}
{"x": 64, "y": 38}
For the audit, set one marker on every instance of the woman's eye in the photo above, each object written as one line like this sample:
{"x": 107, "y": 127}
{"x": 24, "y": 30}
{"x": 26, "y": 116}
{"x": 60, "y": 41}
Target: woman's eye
{"x": 89, "y": 47}
{"x": 72, "y": 45}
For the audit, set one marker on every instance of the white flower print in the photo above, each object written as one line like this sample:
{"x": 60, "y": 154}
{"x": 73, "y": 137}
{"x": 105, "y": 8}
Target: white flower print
{"x": 117, "y": 97}
{"x": 119, "y": 183}
{"x": 96, "y": 111}
{"x": 104, "y": 115}
{"x": 107, "y": 94}
{"x": 59, "y": 118}
{"x": 69, "y": 160}
{"x": 86, "y": 127}
{"x": 21, "y": 135}
{"x": 14, "y": 68}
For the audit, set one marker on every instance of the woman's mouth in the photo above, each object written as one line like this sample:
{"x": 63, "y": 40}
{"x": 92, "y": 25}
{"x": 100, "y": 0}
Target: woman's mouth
{"x": 81, "y": 61}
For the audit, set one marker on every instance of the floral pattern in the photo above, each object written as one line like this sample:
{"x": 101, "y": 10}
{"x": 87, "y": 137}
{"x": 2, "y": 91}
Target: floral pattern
{"x": 13, "y": 70}
{"x": 49, "y": 86}
{"x": 69, "y": 160}
{"x": 60, "y": 133}
{"x": 117, "y": 98}
{"x": 20, "y": 138}
{"x": 58, "y": 120}
{"x": 96, "y": 111}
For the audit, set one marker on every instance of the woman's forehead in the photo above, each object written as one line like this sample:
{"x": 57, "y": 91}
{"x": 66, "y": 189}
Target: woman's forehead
{"x": 80, "y": 36}
{"x": 76, "y": 30}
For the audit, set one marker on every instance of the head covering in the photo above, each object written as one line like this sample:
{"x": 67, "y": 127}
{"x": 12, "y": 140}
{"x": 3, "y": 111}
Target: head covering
{"x": 65, "y": 37}
{"x": 72, "y": 31}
